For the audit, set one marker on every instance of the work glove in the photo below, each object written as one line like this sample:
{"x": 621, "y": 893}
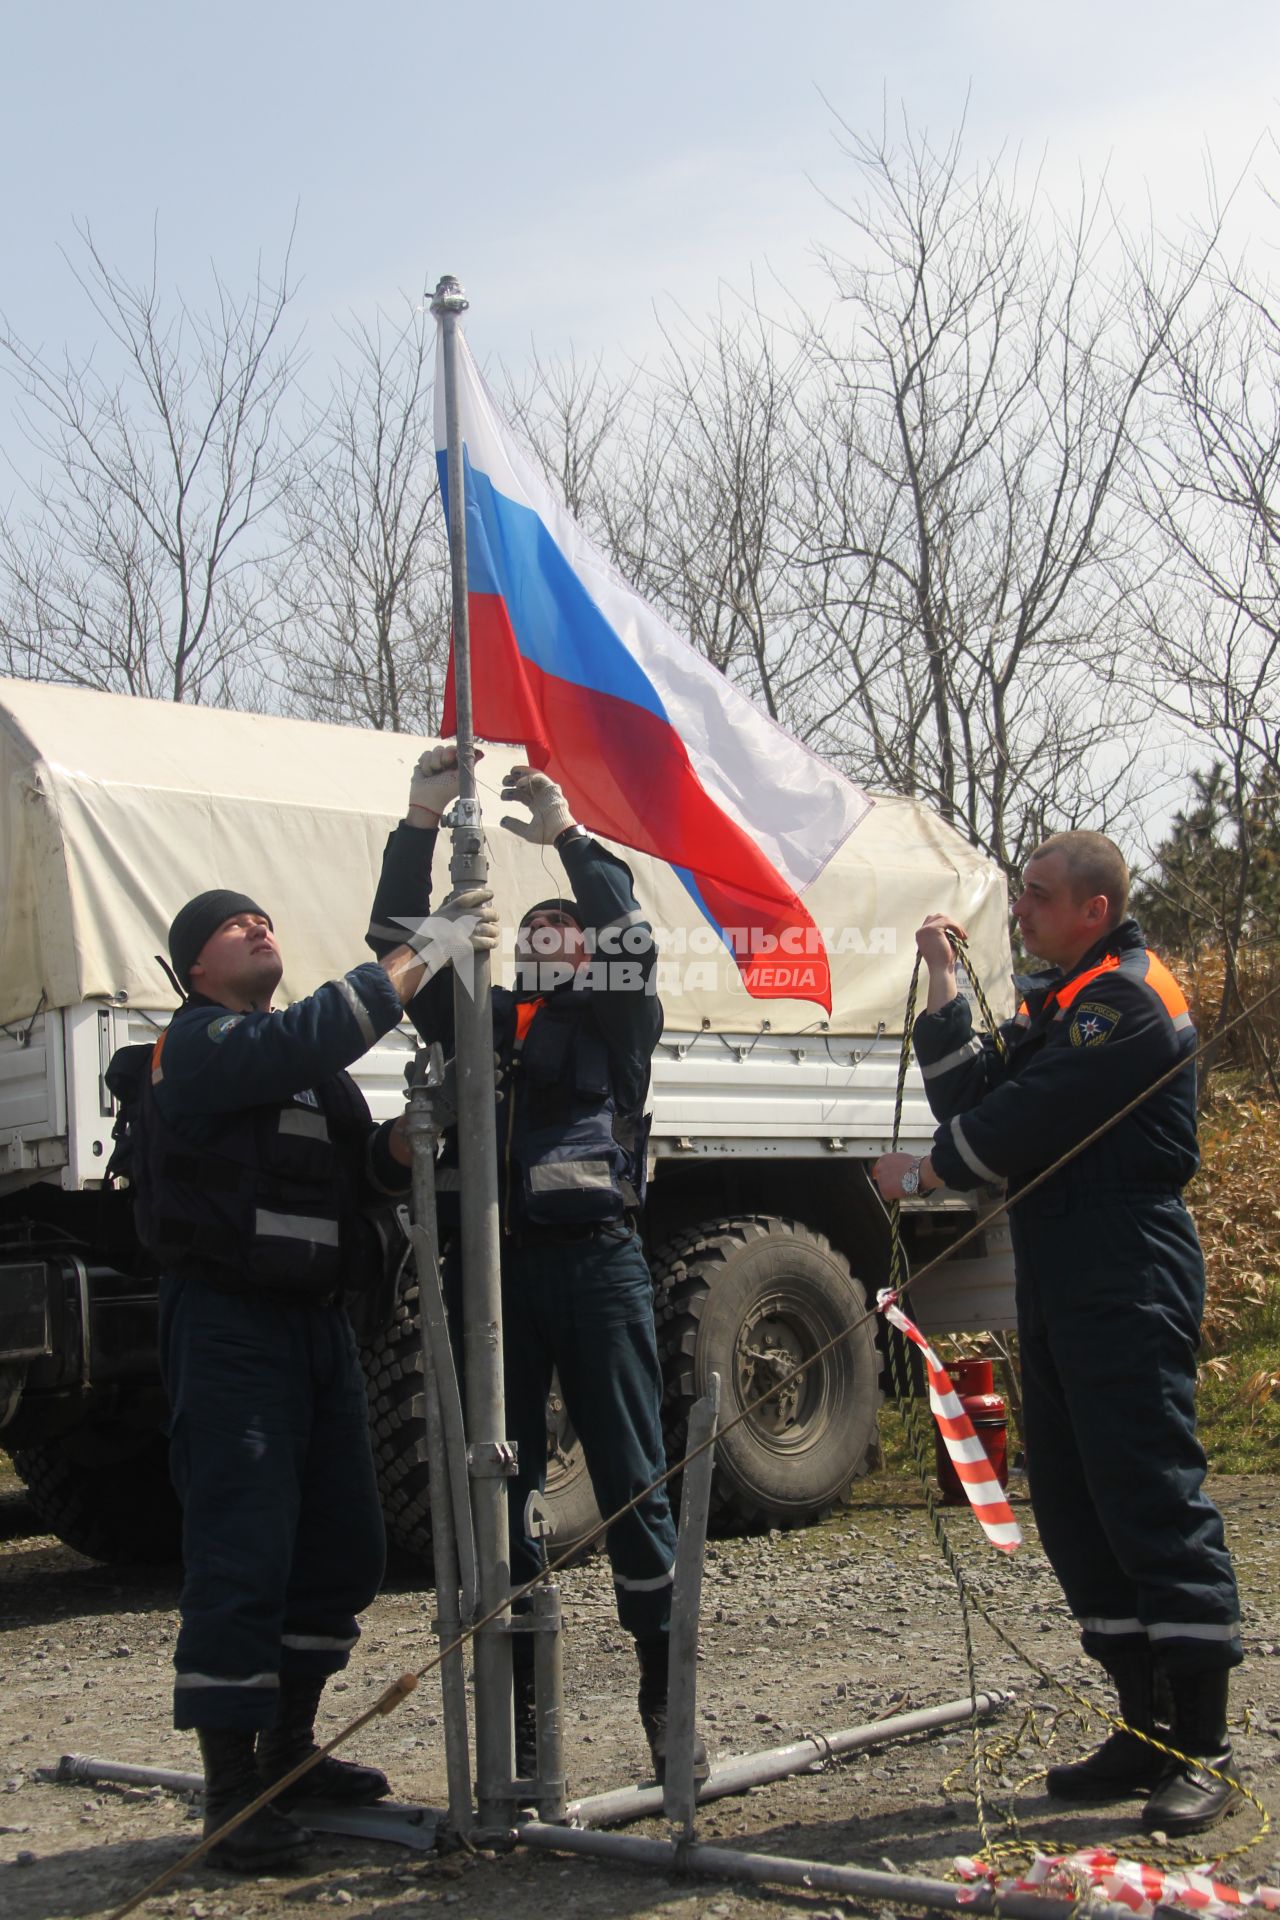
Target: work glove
{"x": 434, "y": 786}
{"x": 545, "y": 802}
{"x": 464, "y": 924}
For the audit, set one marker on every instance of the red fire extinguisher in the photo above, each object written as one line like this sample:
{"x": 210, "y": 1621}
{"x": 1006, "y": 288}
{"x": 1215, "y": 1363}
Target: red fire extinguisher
{"x": 975, "y": 1388}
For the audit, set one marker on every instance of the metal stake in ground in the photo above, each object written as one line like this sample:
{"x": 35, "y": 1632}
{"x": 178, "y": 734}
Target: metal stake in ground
{"x": 490, "y": 1453}
{"x": 679, "y": 1786}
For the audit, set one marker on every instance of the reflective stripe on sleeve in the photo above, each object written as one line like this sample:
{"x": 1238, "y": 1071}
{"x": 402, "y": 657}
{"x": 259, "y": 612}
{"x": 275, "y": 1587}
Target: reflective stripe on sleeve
{"x": 301, "y": 1121}
{"x": 367, "y": 1030}
{"x": 297, "y": 1226}
{"x": 970, "y": 1158}
{"x": 953, "y": 1059}
{"x": 558, "y": 1174}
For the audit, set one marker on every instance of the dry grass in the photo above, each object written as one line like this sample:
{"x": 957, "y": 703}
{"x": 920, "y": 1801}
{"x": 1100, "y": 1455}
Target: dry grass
{"x": 1202, "y": 975}
{"x": 1235, "y": 1199}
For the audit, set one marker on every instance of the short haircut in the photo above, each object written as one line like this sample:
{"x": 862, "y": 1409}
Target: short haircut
{"x": 1094, "y": 865}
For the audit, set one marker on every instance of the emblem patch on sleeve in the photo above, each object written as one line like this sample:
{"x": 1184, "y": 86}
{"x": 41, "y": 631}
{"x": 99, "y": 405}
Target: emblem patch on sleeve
{"x": 1092, "y": 1024}
{"x": 221, "y": 1027}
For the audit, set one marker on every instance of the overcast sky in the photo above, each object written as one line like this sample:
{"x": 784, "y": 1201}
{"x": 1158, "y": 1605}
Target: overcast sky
{"x": 573, "y": 164}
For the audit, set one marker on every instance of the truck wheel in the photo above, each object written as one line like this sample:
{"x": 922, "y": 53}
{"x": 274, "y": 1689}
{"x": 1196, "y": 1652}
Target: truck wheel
{"x": 105, "y": 1490}
{"x": 750, "y": 1299}
{"x": 393, "y": 1374}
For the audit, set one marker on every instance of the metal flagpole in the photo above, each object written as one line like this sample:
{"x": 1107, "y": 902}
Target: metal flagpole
{"x": 489, "y": 1456}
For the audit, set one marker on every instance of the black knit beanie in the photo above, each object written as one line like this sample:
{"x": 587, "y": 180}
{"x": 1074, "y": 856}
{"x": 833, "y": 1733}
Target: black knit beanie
{"x": 552, "y": 906}
{"x": 199, "y": 920}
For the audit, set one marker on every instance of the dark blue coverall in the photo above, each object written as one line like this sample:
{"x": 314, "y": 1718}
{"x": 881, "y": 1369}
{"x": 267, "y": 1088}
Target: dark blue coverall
{"x": 283, "y": 1538}
{"x": 1110, "y": 1286}
{"x": 578, "y": 1301}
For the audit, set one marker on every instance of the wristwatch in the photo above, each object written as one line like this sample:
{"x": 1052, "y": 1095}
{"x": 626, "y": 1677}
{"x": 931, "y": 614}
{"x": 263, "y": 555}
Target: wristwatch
{"x": 911, "y": 1179}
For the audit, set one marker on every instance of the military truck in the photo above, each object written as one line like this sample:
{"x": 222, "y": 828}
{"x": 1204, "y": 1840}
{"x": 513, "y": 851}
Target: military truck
{"x": 765, "y": 1234}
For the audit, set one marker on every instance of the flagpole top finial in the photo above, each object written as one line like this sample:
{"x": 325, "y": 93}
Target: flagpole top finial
{"x": 449, "y": 297}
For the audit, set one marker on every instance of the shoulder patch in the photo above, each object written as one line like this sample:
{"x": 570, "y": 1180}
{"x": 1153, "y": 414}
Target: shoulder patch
{"x": 1092, "y": 1024}
{"x": 219, "y": 1029}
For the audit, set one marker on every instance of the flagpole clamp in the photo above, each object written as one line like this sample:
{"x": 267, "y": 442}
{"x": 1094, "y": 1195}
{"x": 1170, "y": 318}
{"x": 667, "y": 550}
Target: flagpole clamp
{"x": 449, "y": 297}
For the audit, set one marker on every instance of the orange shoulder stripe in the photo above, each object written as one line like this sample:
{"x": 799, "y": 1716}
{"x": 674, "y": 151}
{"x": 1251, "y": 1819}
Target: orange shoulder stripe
{"x": 1157, "y": 977}
{"x": 1074, "y": 988}
{"x": 1165, "y": 987}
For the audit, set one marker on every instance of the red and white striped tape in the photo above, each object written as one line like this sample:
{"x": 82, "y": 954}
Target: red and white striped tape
{"x": 1130, "y": 1883}
{"x": 968, "y": 1456}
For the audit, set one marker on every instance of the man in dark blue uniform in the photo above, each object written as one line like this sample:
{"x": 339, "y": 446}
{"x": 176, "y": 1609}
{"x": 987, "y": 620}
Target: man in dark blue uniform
{"x": 574, "y": 1044}
{"x": 255, "y": 1154}
{"x": 1110, "y": 1296}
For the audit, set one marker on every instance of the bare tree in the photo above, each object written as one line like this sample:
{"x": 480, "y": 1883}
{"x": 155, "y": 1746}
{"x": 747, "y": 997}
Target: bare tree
{"x": 574, "y": 419}
{"x": 1209, "y": 480}
{"x": 900, "y": 526}
{"x": 366, "y": 587}
{"x": 969, "y": 558}
{"x": 132, "y": 559}
{"x": 685, "y": 475}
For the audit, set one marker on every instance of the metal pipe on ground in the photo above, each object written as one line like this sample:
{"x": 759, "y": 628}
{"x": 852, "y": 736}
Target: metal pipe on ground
{"x": 746, "y": 1770}
{"x": 629, "y": 1803}
{"x": 391, "y": 1820}
{"x": 74, "y": 1767}
{"x": 815, "y": 1876}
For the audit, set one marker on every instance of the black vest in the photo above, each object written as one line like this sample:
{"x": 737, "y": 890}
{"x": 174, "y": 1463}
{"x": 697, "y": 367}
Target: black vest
{"x": 570, "y": 1158}
{"x": 264, "y": 1204}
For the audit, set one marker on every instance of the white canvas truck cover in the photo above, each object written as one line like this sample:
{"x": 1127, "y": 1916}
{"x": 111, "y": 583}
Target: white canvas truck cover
{"x": 117, "y": 810}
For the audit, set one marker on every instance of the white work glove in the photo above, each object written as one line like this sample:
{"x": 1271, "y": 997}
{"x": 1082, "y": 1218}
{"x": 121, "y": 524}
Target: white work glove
{"x": 434, "y": 786}
{"x": 545, "y": 802}
{"x": 464, "y": 924}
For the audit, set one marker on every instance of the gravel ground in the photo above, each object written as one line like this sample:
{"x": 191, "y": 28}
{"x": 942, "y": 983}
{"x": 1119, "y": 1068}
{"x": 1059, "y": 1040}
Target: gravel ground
{"x": 820, "y": 1630}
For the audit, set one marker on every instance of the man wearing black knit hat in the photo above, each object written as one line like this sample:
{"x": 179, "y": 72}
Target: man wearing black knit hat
{"x": 574, "y": 1044}
{"x": 255, "y": 1153}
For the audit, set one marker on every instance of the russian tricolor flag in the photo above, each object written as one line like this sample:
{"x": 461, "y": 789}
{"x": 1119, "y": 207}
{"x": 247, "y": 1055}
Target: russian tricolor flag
{"x": 653, "y": 747}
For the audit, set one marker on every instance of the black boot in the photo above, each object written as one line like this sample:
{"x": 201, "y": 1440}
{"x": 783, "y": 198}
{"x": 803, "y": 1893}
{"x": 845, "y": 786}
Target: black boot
{"x": 1187, "y": 1799}
{"x": 267, "y": 1839}
{"x": 292, "y": 1739}
{"x": 525, "y": 1706}
{"x": 1121, "y": 1765}
{"x": 652, "y": 1655}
